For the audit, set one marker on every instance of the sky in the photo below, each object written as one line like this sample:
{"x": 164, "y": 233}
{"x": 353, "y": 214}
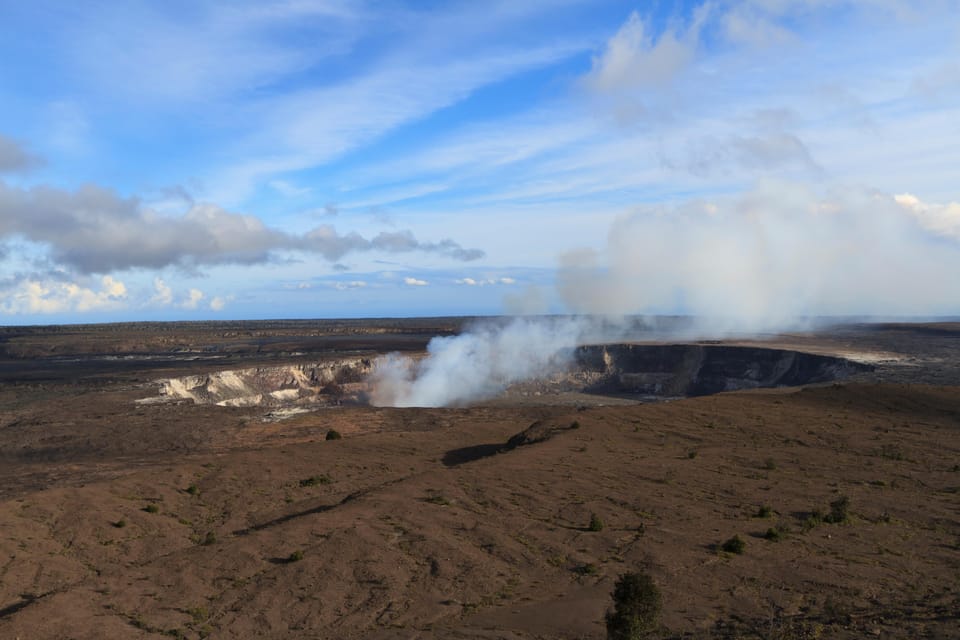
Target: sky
{"x": 754, "y": 159}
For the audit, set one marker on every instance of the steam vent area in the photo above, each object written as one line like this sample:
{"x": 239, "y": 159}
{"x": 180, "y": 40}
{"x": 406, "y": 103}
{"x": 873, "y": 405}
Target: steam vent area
{"x": 626, "y": 371}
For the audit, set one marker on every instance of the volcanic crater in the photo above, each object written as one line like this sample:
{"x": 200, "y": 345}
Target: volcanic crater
{"x": 625, "y": 370}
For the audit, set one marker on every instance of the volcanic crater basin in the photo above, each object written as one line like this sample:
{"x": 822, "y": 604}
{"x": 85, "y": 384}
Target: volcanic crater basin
{"x": 642, "y": 371}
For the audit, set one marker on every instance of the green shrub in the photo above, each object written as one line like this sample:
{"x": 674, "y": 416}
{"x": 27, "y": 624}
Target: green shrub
{"x": 734, "y": 545}
{"x": 775, "y": 534}
{"x": 764, "y": 512}
{"x": 839, "y": 511}
{"x": 812, "y": 519}
{"x": 199, "y": 614}
{"x": 193, "y": 490}
{"x": 209, "y": 539}
{"x": 596, "y": 524}
{"x": 637, "y": 604}
{"x": 152, "y": 508}
{"x": 333, "y": 434}
{"x": 120, "y": 524}
{"x": 313, "y": 481}
{"x": 296, "y": 556}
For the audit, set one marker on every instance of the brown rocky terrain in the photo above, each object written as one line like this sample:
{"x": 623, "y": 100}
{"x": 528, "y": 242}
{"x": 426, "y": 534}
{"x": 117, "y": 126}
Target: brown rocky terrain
{"x": 129, "y": 519}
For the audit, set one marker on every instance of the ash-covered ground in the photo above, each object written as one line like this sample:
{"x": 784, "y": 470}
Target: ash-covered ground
{"x": 176, "y": 479}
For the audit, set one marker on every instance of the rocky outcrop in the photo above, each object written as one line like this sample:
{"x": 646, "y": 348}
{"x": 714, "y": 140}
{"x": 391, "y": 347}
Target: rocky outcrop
{"x": 328, "y": 382}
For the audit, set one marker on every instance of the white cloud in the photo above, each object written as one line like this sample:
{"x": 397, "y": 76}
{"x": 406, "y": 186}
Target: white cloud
{"x": 192, "y": 301}
{"x": 473, "y": 282}
{"x": 414, "y": 282}
{"x": 217, "y": 303}
{"x": 352, "y": 284}
{"x": 37, "y": 296}
{"x": 288, "y": 189}
{"x": 634, "y": 59}
{"x": 164, "y": 294}
{"x": 768, "y": 256}
{"x": 942, "y": 219}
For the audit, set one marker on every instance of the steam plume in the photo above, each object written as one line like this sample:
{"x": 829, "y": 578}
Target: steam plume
{"x": 478, "y": 363}
{"x": 768, "y": 260}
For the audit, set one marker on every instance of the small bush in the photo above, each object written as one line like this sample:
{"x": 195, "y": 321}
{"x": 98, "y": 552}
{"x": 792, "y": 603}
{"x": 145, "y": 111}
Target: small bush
{"x": 637, "y": 604}
{"x": 596, "y": 524}
{"x": 193, "y": 490}
{"x": 209, "y": 539}
{"x": 313, "y": 481}
{"x": 734, "y": 545}
{"x": 120, "y": 524}
{"x": 333, "y": 434}
{"x": 769, "y": 464}
{"x": 575, "y": 424}
{"x": 443, "y": 501}
{"x": 839, "y": 511}
{"x": 812, "y": 519}
{"x": 152, "y": 508}
{"x": 199, "y": 614}
{"x": 692, "y": 454}
{"x": 764, "y": 512}
{"x": 296, "y": 556}
{"x": 775, "y": 534}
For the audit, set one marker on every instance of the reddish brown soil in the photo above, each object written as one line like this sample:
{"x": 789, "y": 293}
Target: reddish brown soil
{"x": 173, "y": 520}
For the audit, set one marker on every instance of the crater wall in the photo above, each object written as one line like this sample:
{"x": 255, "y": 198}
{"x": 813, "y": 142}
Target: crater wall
{"x": 696, "y": 370}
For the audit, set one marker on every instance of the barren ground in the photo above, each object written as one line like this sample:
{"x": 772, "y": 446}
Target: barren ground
{"x": 122, "y": 520}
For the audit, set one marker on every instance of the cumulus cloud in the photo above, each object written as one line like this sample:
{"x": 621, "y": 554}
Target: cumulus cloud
{"x": 473, "y": 282}
{"x": 193, "y": 299}
{"x": 14, "y": 157}
{"x": 163, "y": 293}
{"x": 414, "y": 282}
{"x": 94, "y": 230}
{"x": 217, "y": 303}
{"x": 41, "y": 296}
{"x": 942, "y": 219}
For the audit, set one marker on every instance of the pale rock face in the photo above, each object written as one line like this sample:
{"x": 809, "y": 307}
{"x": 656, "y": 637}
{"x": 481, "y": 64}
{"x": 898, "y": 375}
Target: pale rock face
{"x": 321, "y": 383}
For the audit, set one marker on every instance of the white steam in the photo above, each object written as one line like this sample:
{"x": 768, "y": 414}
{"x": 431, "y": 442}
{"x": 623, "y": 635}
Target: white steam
{"x": 759, "y": 261}
{"x": 765, "y": 261}
{"x": 478, "y": 363}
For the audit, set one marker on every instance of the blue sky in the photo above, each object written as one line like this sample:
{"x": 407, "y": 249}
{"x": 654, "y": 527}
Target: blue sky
{"x": 326, "y": 158}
